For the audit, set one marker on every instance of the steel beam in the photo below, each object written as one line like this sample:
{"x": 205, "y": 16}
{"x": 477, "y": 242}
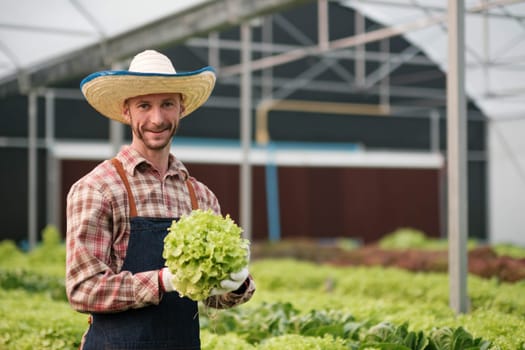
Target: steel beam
{"x": 343, "y": 43}
{"x": 317, "y": 107}
{"x": 245, "y": 187}
{"x": 275, "y": 48}
{"x": 356, "y": 40}
{"x": 201, "y": 20}
{"x": 457, "y": 158}
{"x": 32, "y": 170}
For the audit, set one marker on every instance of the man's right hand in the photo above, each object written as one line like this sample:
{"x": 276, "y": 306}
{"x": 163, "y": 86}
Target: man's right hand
{"x": 165, "y": 280}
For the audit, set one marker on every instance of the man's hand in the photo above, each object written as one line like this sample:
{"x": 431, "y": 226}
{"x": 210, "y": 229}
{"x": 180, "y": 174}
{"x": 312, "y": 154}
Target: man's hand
{"x": 165, "y": 278}
{"x": 231, "y": 284}
{"x": 234, "y": 282}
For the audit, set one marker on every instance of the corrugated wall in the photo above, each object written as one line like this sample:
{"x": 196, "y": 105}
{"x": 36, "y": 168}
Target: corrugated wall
{"x": 361, "y": 203}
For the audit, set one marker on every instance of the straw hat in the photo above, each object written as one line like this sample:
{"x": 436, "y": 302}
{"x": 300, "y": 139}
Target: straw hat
{"x": 150, "y": 72}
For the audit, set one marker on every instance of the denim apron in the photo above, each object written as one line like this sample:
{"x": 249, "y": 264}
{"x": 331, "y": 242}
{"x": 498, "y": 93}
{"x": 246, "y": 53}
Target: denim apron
{"x": 174, "y": 323}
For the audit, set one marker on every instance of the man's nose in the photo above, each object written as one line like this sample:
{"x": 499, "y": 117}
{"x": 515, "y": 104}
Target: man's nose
{"x": 156, "y": 115}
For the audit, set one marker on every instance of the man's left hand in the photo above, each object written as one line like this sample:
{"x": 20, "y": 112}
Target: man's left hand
{"x": 234, "y": 282}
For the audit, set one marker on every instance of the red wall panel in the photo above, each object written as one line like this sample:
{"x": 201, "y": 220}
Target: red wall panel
{"x": 361, "y": 203}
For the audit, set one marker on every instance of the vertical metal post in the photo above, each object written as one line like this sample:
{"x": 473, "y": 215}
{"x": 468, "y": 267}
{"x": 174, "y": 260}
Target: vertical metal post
{"x": 116, "y": 129}
{"x": 456, "y": 157}
{"x": 489, "y": 124}
{"x": 360, "y": 50}
{"x": 271, "y": 169}
{"x": 486, "y": 48}
{"x": 384, "y": 87}
{"x": 32, "y": 166}
{"x": 434, "y": 131}
{"x": 267, "y": 73}
{"x": 116, "y": 135}
{"x": 272, "y": 194}
{"x": 52, "y": 191}
{"x": 213, "y": 50}
{"x": 245, "y": 207}
{"x": 322, "y": 24}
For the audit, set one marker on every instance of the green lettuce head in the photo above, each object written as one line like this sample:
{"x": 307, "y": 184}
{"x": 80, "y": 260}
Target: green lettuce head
{"x": 201, "y": 250}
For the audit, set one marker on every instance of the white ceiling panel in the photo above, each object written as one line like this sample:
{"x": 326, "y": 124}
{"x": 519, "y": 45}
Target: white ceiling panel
{"x": 494, "y": 39}
{"x": 33, "y": 31}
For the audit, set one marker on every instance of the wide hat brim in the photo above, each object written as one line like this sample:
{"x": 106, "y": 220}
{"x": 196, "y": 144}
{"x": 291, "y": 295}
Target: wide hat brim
{"x": 107, "y": 91}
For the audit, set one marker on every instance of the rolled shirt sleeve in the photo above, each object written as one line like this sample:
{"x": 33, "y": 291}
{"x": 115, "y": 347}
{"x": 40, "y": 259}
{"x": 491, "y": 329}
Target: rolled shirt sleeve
{"x": 94, "y": 282}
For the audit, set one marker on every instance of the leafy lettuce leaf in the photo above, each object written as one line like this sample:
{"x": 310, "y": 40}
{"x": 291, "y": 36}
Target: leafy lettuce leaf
{"x": 201, "y": 250}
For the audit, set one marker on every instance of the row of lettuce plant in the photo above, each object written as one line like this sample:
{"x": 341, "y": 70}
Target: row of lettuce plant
{"x": 298, "y": 305}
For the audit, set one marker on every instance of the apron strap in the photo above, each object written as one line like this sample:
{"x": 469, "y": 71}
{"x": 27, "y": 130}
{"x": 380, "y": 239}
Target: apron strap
{"x": 132, "y": 207}
{"x": 193, "y": 196}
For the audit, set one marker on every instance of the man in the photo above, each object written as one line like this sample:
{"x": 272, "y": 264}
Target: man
{"x": 118, "y": 214}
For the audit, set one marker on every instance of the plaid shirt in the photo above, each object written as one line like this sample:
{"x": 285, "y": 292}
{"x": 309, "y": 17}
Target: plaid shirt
{"x": 98, "y": 232}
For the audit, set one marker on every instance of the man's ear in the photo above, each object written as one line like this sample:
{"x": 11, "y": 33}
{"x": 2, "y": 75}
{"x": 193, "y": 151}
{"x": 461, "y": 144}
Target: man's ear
{"x": 181, "y": 105}
{"x": 126, "y": 113}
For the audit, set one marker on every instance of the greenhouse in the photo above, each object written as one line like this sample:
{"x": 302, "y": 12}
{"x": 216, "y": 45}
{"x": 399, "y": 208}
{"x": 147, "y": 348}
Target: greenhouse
{"x": 370, "y": 152}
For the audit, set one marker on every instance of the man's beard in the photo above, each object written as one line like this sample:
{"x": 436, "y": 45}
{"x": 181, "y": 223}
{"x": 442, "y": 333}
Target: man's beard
{"x": 154, "y": 145}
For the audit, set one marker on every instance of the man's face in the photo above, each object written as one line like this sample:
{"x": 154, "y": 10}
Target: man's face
{"x": 154, "y": 119}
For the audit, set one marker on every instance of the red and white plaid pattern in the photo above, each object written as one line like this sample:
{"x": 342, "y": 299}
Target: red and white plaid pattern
{"x": 98, "y": 231}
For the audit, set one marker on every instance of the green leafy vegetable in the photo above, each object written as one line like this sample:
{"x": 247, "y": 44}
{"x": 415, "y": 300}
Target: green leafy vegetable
{"x": 201, "y": 250}
{"x": 446, "y": 338}
{"x": 386, "y": 335}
